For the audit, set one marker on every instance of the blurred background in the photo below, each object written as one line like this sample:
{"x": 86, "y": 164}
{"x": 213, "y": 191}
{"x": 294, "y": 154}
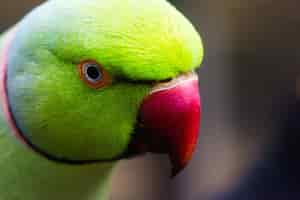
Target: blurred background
{"x": 248, "y": 147}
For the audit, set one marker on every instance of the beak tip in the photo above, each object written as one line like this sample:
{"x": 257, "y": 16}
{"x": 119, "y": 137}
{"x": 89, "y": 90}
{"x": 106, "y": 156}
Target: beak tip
{"x": 177, "y": 165}
{"x": 175, "y": 171}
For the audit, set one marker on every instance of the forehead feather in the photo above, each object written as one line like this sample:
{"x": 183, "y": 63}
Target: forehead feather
{"x": 136, "y": 39}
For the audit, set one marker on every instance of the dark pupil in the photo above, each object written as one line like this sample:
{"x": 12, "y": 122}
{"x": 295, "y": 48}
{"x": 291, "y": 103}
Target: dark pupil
{"x": 93, "y": 72}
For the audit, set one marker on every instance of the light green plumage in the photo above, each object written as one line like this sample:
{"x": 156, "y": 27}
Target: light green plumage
{"x": 158, "y": 42}
{"x": 25, "y": 175}
{"x": 134, "y": 40}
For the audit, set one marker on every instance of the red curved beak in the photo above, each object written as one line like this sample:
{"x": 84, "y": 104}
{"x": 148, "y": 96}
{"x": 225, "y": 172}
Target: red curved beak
{"x": 170, "y": 119}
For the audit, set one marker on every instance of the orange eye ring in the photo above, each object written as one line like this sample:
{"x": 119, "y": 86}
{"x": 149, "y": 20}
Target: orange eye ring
{"x": 93, "y": 74}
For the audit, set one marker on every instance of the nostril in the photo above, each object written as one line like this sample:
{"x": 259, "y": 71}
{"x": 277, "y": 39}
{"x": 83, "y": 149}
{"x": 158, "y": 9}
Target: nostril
{"x": 163, "y": 85}
{"x": 165, "y": 80}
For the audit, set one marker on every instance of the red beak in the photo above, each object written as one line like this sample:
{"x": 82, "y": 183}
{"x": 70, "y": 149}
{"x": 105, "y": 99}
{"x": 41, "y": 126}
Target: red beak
{"x": 170, "y": 118}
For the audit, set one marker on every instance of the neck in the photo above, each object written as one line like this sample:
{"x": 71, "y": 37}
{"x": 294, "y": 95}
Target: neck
{"x": 26, "y": 175}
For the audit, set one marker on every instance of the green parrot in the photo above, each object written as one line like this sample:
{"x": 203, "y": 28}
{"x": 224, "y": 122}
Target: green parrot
{"x": 84, "y": 84}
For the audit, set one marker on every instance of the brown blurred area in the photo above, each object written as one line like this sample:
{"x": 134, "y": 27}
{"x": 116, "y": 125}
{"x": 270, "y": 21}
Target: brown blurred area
{"x": 249, "y": 75}
{"x": 250, "y": 70}
{"x": 12, "y": 11}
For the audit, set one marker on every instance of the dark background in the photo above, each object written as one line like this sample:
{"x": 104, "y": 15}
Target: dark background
{"x": 249, "y": 89}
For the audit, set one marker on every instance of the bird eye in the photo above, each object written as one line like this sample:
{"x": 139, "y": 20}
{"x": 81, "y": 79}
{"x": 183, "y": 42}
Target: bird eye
{"x": 93, "y": 74}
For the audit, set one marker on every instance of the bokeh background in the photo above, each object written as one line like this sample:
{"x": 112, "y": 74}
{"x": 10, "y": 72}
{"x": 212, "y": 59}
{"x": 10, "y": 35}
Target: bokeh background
{"x": 249, "y": 91}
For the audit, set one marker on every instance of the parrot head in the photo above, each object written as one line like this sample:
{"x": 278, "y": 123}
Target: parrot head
{"x": 98, "y": 81}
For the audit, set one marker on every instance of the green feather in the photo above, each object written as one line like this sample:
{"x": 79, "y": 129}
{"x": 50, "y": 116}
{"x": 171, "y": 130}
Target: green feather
{"x": 136, "y": 41}
{"x": 28, "y": 176}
